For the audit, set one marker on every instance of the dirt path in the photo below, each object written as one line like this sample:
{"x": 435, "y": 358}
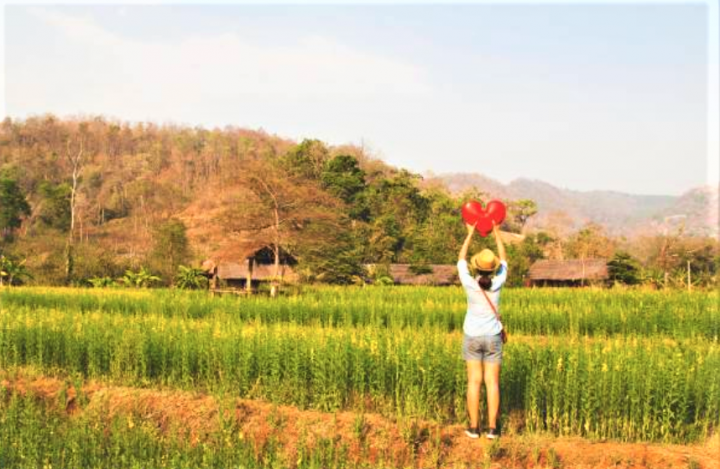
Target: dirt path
{"x": 368, "y": 438}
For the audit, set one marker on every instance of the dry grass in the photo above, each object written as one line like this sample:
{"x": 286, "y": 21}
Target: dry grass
{"x": 368, "y": 438}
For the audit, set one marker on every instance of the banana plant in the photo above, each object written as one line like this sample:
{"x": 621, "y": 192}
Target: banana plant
{"x": 140, "y": 279}
{"x": 190, "y": 278}
{"x": 12, "y": 271}
{"x": 101, "y": 282}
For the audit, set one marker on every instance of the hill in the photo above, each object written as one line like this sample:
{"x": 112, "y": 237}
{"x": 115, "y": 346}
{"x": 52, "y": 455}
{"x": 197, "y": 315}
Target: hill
{"x": 620, "y": 213}
{"x": 92, "y": 197}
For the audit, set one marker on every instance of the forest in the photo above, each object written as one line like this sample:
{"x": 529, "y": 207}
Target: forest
{"x": 87, "y": 201}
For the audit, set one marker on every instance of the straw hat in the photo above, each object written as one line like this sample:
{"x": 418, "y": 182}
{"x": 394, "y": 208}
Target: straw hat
{"x": 485, "y": 261}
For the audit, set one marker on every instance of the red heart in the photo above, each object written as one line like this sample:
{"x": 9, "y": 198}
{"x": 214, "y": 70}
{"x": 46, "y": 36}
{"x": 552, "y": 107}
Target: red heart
{"x": 471, "y": 211}
{"x": 496, "y": 211}
{"x": 474, "y": 213}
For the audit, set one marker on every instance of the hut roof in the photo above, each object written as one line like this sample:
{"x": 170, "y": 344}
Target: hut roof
{"x": 263, "y": 267}
{"x": 441, "y": 275}
{"x": 571, "y": 269}
{"x": 239, "y": 271}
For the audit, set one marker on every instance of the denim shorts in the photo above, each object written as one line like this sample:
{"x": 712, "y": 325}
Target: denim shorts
{"x": 484, "y": 348}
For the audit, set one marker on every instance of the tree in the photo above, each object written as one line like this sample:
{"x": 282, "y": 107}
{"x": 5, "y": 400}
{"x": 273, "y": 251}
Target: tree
{"x": 337, "y": 260}
{"x": 623, "y": 268}
{"x": 55, "y": 208}
{"x": 170, "y": 248}
{"x": 307, "y": 159}
{"x": 589, "y": 243}
{"x": 701, "y": 259}
{"x": 437, "y": 238}
{"x": 343, "y": 178}
{"x": 397, "y": 209}
{"x": 280, "y": 207}
{"x": 519, "y": 211}
{"x": 13, "y": 206}
{"x": 524, "y": 255}
{"x": 75, "y": 155}
{"x": 664, "y": 253}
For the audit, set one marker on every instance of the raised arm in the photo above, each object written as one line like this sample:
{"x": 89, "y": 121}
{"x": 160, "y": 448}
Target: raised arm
{"x": 466, "y": 244}
{"x": 498, "y": 241}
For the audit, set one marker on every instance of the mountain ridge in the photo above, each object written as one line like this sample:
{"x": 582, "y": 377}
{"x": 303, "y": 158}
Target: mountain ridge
{"x": 624, "y": 214}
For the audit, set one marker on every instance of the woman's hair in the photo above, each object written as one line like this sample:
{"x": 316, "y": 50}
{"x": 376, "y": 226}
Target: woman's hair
{"x": 485, "y": 282}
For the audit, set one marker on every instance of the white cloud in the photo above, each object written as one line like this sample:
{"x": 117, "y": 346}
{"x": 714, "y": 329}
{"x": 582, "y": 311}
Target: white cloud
{"x": 81, "y": 28}
{"x": 225, "y": 66}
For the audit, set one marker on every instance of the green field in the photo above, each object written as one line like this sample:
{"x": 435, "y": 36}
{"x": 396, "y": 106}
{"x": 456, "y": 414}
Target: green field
{"x": 625, "y": 365}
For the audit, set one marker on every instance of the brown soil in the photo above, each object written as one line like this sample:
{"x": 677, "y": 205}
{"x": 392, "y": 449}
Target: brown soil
{"x": 368, "y": 438}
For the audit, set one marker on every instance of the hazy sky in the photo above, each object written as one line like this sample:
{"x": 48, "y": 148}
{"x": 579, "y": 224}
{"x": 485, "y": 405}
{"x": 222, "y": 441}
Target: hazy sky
{"x": 582, "y": 96}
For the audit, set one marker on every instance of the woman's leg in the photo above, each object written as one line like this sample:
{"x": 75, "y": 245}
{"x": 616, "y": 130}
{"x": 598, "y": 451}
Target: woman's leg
{"x": 492, "y": 388}
{"x": 475, "y": 379}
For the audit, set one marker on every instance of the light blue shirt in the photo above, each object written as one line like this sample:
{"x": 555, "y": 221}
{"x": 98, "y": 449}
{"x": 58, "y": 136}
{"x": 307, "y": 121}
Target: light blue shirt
{"x": 480, "y": 318}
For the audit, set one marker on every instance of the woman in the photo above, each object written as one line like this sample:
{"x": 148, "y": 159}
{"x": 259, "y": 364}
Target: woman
{"x": 482, "y": 343}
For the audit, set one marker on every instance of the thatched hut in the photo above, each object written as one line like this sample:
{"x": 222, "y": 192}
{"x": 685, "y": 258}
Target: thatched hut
{"x": 257, "y": 267}
{"x": 567, "y": 273}
{"x": 404, "y": 274}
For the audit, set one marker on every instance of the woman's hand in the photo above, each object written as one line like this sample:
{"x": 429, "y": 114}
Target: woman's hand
{"x": 466, "y": 244}
{"x": 498, "y": 242}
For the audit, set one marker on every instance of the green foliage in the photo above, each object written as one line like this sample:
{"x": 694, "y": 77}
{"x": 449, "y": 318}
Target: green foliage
{"x": 399, "y": 197}
{"x": 343, "y": 178}
{"x": 92, "y": 261}
{"x": 379, "y": 274}
{"x": 37, "y": 434}
{"x": 623, "y": 268}
{"x": 384, "y": 281}
{"x": 171, "y": 248}
{"x": 140, "y": 279}
{"x": 391, "y": 352}
{"x": 437, "y": 239}
{"x": 545, "y": 312}
{"x": 190, "y": 278}
{"x": 337, "y": 261}
{"x": 522, "y": 256}
{"x": 101, "y": 282}
{"x": 13, "y": 207}
{"x": 12, "y": 272}
{"x": 420, "y": 269}
{"x": 590, "y": 242}
{"x": 518, "y": 213}
{"x": 136, "y": 175}
{"x": 307, "y": 159}
{"x": 55, "y": 205}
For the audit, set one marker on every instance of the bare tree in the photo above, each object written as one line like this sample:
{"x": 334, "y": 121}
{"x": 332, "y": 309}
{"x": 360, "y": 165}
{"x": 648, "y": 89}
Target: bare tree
{"x": 668, "y": 243}
{"x": 588, "y": 243}
{"x": 74, "y": 155}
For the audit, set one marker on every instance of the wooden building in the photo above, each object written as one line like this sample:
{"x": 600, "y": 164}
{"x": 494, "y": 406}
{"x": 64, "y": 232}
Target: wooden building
{"x": 568, "y": 273}
{"x": 257, "y": 267}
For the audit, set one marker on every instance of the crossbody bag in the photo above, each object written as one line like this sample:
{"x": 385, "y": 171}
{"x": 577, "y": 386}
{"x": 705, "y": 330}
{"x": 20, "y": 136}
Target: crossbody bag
{"x": 503, "y": 334}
